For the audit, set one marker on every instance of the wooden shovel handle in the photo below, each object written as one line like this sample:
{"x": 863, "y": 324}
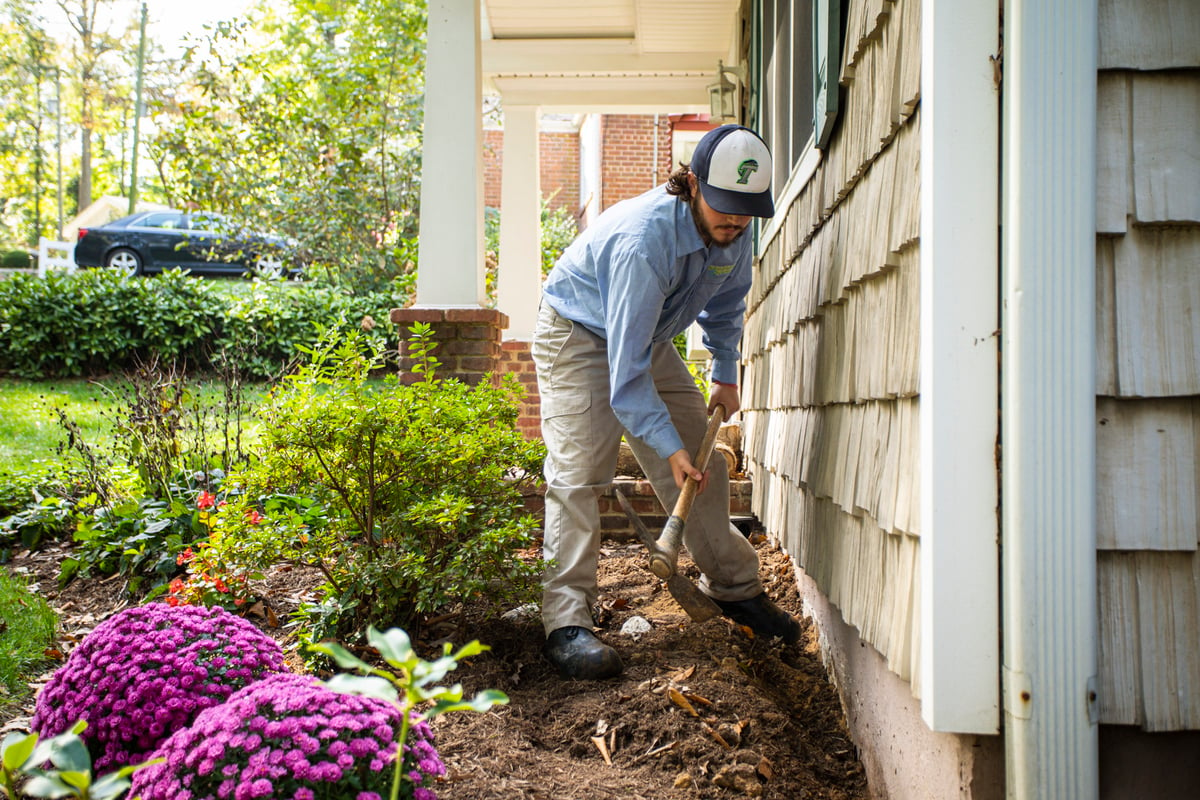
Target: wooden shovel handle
{"x": 665, "y": 554}
{"x": 688, "y": 494}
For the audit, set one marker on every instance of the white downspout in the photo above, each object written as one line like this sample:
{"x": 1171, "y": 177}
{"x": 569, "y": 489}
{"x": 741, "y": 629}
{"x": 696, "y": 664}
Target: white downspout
{"x": 1048, "y": 399}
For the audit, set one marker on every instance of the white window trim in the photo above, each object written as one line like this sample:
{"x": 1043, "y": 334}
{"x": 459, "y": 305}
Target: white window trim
{"x": 801, "y": 175}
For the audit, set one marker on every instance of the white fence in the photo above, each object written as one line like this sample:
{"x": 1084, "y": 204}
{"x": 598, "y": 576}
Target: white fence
{"x": 55, "y": 255}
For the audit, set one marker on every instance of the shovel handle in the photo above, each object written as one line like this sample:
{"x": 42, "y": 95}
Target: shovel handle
{"x": 665, "y": 557}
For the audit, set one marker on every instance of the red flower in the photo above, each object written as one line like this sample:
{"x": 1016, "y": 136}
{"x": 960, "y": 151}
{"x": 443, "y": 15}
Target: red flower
{"x": 220, "y": 586}
{"x": 253, "y": 517}
{"x": 206, "y": 501}
{"x": 184, "y": 557}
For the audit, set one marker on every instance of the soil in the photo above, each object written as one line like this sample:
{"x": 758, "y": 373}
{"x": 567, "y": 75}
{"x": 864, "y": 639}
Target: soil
{"x": 703, "y": 710}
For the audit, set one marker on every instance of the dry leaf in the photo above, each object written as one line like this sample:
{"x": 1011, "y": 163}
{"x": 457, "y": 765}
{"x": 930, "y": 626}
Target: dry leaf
{"x": 678, "y": 699}
{"x": 716, "y": 736}
{"x": 679, "y": 676}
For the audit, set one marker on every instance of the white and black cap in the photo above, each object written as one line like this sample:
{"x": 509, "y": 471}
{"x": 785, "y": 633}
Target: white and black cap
{"x": 733, "y": 165}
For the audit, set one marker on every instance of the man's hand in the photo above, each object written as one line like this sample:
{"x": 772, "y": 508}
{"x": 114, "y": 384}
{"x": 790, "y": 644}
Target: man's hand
{"x": 683, "y": 468}
{"x": 724, "y": 394}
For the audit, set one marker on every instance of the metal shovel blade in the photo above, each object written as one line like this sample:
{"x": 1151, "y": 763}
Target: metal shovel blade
{"x": 697, "y": 604}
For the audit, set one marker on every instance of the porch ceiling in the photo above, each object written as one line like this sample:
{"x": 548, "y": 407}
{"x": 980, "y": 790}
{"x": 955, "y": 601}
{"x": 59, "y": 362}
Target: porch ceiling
{"x": 607, "y": 55}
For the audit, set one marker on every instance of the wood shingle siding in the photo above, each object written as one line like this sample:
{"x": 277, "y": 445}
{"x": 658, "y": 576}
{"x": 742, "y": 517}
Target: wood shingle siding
{"x": 1149, "y": 34}
{"x": 1150, "y": 666}
{"x": 1147, "y": 474}
{"x": 1148, "y": 363}
{"x": 831, "y": 348}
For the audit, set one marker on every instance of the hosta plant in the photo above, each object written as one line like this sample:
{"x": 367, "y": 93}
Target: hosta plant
{"x": 288, "y": 736}
{"x": 146, "y": 672}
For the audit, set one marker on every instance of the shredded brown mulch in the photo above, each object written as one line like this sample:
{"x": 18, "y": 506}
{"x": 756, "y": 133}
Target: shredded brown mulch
{"x": 702, "y": 711}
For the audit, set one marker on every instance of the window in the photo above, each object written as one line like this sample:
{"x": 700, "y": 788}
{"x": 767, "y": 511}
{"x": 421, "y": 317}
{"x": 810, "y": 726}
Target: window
{"x": 162, "y": 220}
{"x": 796, "y": 57}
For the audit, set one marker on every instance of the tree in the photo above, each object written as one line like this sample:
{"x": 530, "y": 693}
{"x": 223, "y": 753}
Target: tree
{"x": 26, "y": 69}
{"x": 308, "y": 121}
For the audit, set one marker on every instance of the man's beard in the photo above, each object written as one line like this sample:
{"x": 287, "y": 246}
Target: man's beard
{"x": 706, "y": 232}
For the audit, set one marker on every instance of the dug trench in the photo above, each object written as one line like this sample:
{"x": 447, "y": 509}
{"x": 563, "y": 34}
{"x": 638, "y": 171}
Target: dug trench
{"x": 703, "y": 710}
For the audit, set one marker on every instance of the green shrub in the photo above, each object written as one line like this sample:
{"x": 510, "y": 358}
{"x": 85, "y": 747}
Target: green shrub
{"x": 417, "y": 486}
{"x": 16, "y": 259}
{"x": 97, "y": 321}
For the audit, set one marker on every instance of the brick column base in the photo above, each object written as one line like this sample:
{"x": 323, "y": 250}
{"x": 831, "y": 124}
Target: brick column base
{"x": 468, "y": 341}
{"x": 516, "y": 359}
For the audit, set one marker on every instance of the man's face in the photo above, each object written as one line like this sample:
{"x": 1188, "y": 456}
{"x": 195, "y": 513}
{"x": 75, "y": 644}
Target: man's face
{"x": 715, "y": 227}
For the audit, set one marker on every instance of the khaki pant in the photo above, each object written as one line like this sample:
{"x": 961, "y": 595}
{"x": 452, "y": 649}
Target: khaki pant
{"x": 582, "y": 437}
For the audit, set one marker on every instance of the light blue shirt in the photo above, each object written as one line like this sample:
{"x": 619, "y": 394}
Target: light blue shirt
{"x": 640, "y": 275}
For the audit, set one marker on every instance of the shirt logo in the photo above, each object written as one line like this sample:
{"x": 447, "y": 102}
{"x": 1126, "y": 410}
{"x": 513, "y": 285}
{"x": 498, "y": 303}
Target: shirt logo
{"x": 746, "y": 169}
{"x": 720, "y": 269}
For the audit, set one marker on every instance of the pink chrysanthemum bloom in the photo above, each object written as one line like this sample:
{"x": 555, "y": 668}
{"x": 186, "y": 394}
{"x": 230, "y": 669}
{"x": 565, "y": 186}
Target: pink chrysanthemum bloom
{"x": 146, "y": 672}
{"x": 288, "y": 736}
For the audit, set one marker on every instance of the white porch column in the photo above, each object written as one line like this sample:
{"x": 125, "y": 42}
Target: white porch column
{"x": 519, "y": 279}
{"x": 450, "y": 268}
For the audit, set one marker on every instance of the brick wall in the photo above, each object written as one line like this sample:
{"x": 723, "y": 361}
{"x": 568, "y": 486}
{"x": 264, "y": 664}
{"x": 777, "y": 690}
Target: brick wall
{"x": 615, "y": 525}
{"x": 515, "y": 358}
{"x": 628, "y": 162}
{"x": 558, "y": 154}
{"x": 468, "y": 341}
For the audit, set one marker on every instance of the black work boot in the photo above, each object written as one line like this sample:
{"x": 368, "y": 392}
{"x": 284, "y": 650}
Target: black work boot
{"x": 761, "y": 615}
{"x": 580, "y": 655}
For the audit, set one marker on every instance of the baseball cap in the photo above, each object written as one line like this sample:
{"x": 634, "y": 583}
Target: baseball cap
{"x": 734, "y": 168}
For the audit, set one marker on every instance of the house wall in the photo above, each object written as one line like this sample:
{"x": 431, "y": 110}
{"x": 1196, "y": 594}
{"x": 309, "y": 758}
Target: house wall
{"x": 558, "y": 153}
{"x": 831, "y": 349}
{"x": 1148, "y": 375}
{"x": 635, "y": 154}
{"x": 832, "y": 411}
{"x": 833, "y": 404}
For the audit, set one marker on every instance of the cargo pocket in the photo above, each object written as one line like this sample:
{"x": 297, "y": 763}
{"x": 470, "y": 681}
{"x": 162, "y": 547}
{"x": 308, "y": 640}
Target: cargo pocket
{"x": 567, "y": 432}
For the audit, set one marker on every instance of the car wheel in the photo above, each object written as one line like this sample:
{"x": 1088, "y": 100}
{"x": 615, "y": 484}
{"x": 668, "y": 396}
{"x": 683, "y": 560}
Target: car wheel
{"x": 125, "y": 260}
{"x": 269, "y": 267}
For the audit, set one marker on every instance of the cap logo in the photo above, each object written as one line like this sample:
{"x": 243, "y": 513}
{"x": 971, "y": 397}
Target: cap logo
{"x": 746, "y": 169}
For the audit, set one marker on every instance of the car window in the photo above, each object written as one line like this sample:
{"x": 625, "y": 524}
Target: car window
{"x": 213, "y": 223}
{"x": 162, "y": 220}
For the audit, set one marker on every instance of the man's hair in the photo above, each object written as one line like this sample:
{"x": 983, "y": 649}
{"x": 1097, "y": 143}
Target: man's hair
{"x": 678, "y": 185}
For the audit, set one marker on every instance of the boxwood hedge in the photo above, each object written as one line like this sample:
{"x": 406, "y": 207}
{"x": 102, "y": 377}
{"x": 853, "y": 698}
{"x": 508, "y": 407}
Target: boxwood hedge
{"x": 95, "y": 322}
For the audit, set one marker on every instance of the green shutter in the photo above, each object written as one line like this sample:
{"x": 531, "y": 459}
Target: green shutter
{"x": 827, "y": 60}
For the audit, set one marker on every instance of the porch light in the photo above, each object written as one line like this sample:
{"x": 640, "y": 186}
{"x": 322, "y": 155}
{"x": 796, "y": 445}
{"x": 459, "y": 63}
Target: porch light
{"x": 722, "y": 95}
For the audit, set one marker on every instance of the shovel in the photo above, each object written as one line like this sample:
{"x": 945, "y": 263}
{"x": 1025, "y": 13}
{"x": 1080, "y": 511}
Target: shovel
{"x": 664, "y": 552}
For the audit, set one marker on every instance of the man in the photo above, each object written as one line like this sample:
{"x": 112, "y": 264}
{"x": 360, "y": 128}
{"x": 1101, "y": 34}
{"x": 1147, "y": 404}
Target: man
{"x": 643, "y": 272}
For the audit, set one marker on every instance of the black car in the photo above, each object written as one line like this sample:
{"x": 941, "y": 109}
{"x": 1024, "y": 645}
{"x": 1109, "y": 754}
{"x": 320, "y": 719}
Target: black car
{"x": 153, "y": 241}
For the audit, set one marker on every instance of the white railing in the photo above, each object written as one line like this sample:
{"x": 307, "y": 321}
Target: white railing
{"x": 55, "y": 255}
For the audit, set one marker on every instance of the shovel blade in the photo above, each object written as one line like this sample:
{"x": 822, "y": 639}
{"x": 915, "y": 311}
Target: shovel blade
{"x": 697, "y": 604}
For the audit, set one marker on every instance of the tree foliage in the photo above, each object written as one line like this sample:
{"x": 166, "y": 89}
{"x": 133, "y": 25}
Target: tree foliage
{"x": 309, "y": 121}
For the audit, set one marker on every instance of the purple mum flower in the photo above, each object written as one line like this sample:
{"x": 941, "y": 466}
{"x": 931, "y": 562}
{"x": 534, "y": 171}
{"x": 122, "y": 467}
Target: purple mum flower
{"x": 157, "y": 674}
{"x": 316, "y": 739}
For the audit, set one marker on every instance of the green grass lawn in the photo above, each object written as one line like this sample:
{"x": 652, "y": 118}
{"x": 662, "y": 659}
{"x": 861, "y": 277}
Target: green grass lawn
{"x": 30, "y": 432}
{"x": 28, "y": 629}
{"x": 29, "y": 427}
